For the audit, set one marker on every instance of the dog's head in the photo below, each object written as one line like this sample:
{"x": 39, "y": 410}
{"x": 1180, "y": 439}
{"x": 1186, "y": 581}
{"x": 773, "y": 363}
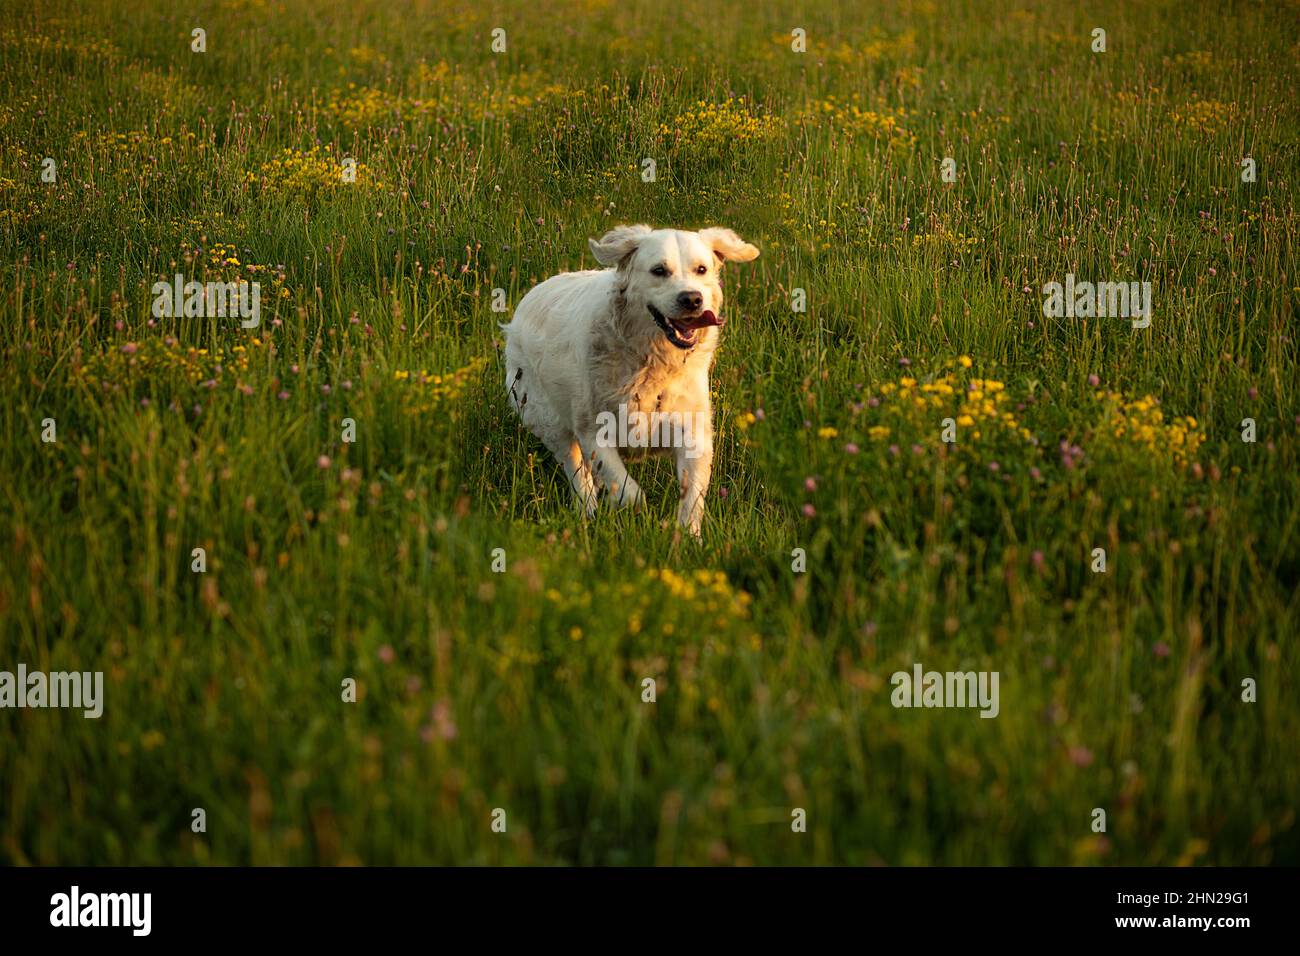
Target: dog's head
{"x": 672, "y": 278}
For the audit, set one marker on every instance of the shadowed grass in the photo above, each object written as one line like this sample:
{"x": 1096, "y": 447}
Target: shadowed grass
{"x": 522, "y": 688}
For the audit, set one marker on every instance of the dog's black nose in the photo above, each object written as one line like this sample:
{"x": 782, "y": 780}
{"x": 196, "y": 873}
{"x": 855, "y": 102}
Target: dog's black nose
{"x": 690, "y": 300}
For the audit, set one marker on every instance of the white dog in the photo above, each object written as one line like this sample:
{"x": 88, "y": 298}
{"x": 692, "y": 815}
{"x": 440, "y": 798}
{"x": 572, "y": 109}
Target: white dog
{"x": 617, "y": 360}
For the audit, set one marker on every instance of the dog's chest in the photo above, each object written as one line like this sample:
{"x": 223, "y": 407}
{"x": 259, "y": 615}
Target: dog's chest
{"x": 656, "y": 389}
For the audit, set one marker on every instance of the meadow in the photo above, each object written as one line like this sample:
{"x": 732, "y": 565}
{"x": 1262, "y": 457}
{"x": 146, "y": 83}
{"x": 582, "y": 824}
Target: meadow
{"x": 499, "y": 642}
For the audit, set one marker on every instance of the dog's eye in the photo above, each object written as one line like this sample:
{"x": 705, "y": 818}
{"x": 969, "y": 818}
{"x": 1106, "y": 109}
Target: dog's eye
{"x": 659, "y": 271}
{"x": 701, "y": 270}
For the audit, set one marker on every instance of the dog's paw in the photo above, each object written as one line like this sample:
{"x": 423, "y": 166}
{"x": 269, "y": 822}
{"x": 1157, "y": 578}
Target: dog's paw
{"x": 691, "y": 524}
{"x": 587, "y": 502}
{"x": 691, "y": 520}
{"x": 629, "y": 495}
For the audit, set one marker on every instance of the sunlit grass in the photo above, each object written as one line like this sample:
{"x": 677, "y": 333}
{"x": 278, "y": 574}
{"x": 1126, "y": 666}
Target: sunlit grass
{"x": 523, "y": 690}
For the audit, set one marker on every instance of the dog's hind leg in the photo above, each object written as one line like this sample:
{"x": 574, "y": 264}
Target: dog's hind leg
{"x": 568, "y": 453}
{"x": 539, "y": 417}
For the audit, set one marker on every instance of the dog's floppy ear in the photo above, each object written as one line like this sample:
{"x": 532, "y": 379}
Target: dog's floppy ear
{"x": 615, "y": 246}
{"x": 728, "y": 246}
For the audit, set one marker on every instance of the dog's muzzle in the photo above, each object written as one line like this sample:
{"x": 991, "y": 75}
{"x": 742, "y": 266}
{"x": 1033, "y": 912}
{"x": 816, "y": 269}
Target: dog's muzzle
{"x": 681, "y": 332}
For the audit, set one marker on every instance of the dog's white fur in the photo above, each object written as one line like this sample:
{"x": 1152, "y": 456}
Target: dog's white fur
{"x": 584, "y": 343}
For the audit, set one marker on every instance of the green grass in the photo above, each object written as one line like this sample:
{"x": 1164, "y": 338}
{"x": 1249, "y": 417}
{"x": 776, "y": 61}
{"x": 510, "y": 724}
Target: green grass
{"x": 522, "y": 690}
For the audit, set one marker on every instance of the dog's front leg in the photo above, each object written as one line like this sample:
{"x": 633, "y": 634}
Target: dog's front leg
{"x": 694, "y": 467}
{"x": 609, "y": 471}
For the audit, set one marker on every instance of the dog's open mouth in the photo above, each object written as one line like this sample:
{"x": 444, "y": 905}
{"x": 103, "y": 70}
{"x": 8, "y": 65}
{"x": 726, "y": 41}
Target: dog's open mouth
{"x": 681, "y": 330}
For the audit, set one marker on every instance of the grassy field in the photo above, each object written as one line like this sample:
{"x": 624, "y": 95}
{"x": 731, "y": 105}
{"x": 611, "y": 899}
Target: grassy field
{"x": 522, "y": 690}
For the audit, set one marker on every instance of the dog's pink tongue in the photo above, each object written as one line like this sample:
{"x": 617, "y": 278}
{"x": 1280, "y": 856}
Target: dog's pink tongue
{"x": 705, "y": 318}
